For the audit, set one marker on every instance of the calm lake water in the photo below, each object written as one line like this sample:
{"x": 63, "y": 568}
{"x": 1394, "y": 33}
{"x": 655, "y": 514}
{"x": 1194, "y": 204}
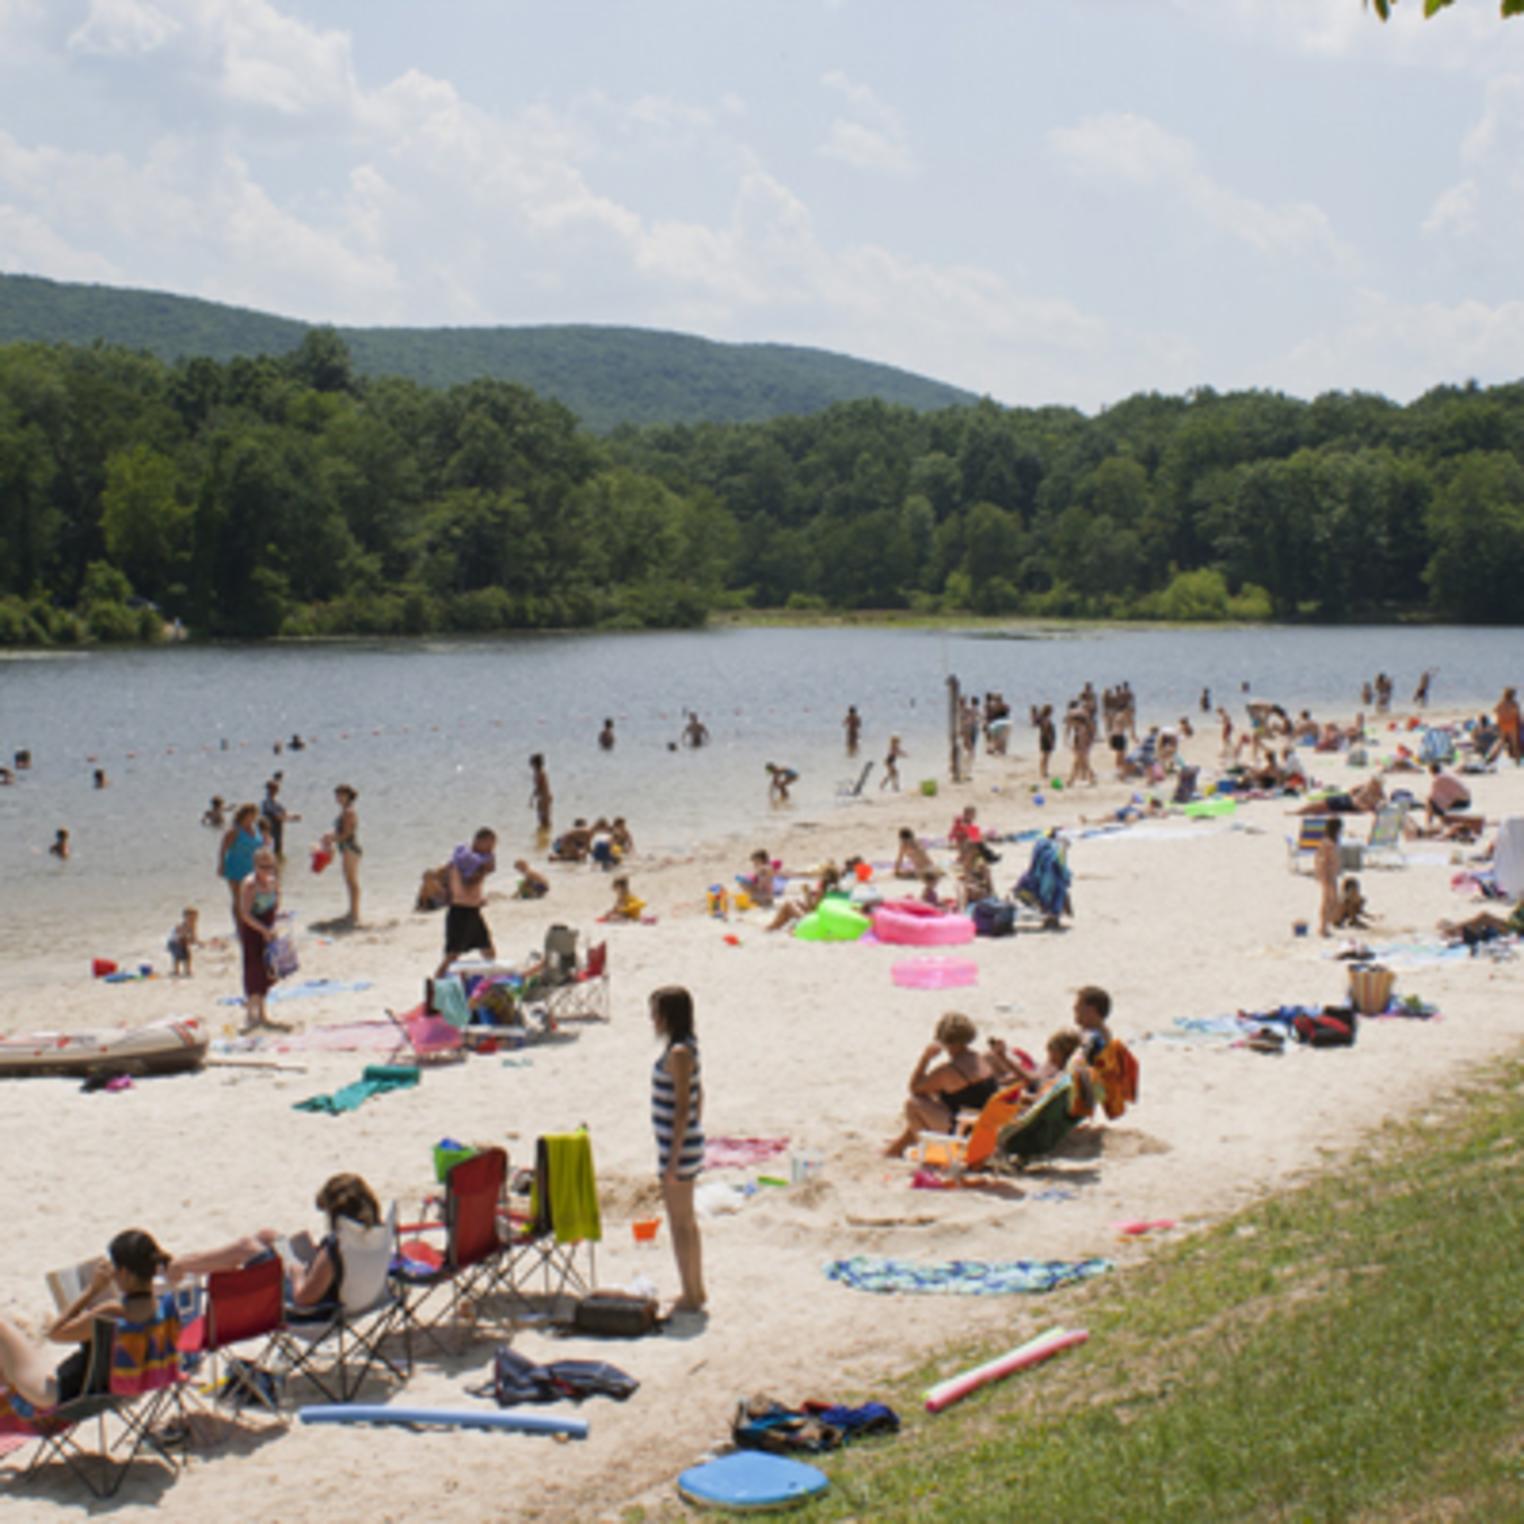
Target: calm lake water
{"x": 435, "y": 736}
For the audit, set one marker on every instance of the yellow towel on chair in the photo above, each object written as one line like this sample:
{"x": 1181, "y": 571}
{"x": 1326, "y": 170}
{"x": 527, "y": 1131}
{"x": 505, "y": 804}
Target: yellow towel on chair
{"x": 565, "y": 1166}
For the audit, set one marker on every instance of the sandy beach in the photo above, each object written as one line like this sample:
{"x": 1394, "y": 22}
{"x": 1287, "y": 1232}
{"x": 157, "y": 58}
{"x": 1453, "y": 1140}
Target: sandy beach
{"x": 808, "y": 1042}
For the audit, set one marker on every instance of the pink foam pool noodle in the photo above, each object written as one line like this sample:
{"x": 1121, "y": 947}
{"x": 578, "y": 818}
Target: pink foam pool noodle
{"x": 1043, "y": 1347}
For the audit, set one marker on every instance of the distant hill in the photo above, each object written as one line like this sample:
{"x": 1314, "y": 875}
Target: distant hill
{"x": 607, "y": 376}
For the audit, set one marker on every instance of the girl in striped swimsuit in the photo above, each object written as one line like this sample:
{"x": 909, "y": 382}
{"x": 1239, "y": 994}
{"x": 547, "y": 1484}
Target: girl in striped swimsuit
{"x": 677, "y": 1116}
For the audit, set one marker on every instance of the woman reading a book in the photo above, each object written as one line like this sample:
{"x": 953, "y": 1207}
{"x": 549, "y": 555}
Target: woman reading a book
{"x": 120, "y": 1289}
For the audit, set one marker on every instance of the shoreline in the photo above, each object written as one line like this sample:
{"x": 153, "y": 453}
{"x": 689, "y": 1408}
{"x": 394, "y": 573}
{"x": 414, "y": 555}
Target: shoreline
{"x": 808, "y": 1041}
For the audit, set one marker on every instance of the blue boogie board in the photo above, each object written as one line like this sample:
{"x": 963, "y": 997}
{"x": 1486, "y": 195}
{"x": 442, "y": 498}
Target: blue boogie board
{"x": 751, "y": 1481}
{"x": 453, "y": 1418}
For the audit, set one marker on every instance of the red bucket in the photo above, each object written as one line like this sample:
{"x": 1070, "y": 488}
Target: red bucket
{"x": 321, "y": 857}
{"x": 100, "y": 967}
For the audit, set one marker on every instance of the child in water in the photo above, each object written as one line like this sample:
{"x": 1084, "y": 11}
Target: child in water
{"x": 780, "y": 780}
{"x": 60, "y": 847}
{"x": 532, "y": 885}
{"x": 181, "y": 940}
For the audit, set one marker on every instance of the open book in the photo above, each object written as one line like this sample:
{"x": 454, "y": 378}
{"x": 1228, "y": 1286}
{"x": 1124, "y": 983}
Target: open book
{"x": 71, "y": 1282}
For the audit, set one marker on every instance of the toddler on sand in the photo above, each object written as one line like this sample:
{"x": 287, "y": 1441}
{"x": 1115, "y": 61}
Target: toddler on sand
{"x": 181, "y": 940}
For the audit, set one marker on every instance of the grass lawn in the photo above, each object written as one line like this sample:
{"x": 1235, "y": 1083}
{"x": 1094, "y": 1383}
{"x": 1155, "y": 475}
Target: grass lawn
{"x": 1350, "y": 1350}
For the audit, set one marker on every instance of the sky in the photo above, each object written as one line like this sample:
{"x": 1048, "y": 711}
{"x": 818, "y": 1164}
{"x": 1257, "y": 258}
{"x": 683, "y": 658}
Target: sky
{"x": 1045, "y": 201}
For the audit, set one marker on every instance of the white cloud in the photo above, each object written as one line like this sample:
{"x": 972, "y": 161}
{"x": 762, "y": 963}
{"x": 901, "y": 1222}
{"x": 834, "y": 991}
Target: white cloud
{"x": 1455, "y": 211}
{"x": 1136, "y": 152}
{"x": 873, "y": 136}
{"x": 117, "y": 28}
{"x": 28, "y": 243}
{"x": 1404, "y": 348}
{"x": 1464, "y": 38}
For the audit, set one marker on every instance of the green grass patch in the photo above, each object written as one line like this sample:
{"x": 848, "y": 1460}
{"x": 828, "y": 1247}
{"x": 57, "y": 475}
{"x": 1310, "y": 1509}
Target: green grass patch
{"x": 1349, "y": 1350}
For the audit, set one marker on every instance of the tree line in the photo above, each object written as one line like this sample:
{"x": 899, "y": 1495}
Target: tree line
{"x": 290, "y": 496}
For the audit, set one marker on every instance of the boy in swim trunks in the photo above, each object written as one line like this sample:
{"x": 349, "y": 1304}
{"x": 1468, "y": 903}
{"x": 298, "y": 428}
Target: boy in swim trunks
{"x": 181, "y": 940}
{"x": 465, "y": 926}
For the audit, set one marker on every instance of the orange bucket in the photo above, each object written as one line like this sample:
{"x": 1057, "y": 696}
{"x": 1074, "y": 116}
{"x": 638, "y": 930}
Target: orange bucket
{"x": 645, "y": 1229}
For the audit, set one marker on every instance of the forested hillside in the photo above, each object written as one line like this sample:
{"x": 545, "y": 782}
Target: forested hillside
{"x": 606, "y": 376}
{"x": 261, "y": 497}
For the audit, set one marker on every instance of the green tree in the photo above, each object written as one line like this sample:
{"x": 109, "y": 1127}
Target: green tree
{"x": 1477, "y": 521}
{"x": 143, "y": 523}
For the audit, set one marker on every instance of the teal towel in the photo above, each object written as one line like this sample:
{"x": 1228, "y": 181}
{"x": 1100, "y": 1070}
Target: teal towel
{"x": 377, "y": 1079}
{"x": 450, "y": 1001}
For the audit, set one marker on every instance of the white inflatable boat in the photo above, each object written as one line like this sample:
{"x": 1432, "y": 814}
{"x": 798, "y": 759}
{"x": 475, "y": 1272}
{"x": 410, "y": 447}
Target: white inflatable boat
{"x": 173, "y": 1046}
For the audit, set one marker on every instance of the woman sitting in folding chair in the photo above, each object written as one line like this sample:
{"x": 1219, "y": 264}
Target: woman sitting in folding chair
{"x": 938, "y": 1092}
{"x": 314, "y": 1286}
{"x": 31, "y": 1384}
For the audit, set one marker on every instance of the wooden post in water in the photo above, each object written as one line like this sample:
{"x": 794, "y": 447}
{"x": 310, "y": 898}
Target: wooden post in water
{"x": 954, "y": 713}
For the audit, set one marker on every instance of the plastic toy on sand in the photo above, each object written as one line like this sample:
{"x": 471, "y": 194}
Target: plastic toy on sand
{"x": 321, "y": 857}
{"x": 914, "y": 924}
{"x": 510, "y": 1419}
{"x": 833, "y": 921}
{"x": 935, "y": 973}
{"x": 750, "y": 1481}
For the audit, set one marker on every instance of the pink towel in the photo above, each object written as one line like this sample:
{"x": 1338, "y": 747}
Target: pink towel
{"x": 738, "y": 1153}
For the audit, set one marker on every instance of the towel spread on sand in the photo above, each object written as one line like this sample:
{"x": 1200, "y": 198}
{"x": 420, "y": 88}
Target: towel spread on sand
{"x": 307, "y": 988}
{"x": 740, "y": 1153}
{"x": 377, "y": 1079}
{"x": 962, "y": 1277}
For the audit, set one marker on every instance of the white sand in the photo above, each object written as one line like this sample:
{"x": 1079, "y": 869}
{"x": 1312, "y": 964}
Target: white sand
{"x": 806, "y": 1041}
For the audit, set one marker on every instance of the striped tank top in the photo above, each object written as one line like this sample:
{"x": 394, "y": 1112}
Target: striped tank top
{"x": 664, "y": 1112}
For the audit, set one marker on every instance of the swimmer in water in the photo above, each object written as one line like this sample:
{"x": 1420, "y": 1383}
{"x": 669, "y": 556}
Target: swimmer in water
{"x": 606, "y": 736}
{"x": 60, "y": 847}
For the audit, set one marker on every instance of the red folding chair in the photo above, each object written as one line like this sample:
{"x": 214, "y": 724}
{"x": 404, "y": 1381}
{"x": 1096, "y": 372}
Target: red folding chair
{"x": 441, "y": 1282}
{"x": 241, "y": 1307}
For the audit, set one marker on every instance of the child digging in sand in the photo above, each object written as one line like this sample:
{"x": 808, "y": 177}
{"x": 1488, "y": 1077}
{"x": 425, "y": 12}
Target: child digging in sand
{"x": 1352, "y": 906}
{"x": 627, "y": 906}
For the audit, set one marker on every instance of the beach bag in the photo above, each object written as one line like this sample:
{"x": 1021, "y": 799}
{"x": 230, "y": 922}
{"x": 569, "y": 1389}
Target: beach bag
{"x": 517, "y": 1380}
{"x": 993, "y": 918}
{"x": 280, "y": 958}
{"x": 1370, "y": 988}
{"x": 616, "y": 1315}
{"x": 1334, "y": 1028}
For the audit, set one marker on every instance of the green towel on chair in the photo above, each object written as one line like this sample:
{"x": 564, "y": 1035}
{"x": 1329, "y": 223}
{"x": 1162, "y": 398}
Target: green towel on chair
{"x": 564, "y": 1164}
{"x": 376, "y": 1080}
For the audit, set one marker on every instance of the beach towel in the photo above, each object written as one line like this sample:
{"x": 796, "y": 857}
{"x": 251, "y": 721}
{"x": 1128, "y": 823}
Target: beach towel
{"x": 450, "y": 1001}
{"x": 1046, "y": 881}
{"x": 740, "y": 1153}
{"x": 959, "y": 1277}
{"x": 567, "y": 1164}
{"x": 764, "y": 1424}
{"x": 377, "y": 1079}
{"x": 308, "y": 988}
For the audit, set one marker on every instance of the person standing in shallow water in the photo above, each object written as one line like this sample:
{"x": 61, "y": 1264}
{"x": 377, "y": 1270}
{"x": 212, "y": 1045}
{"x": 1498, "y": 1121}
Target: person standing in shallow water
{"x": 853, "y": 725}
{"x": 677, "y": 1118}
{"x": 344, "y": 839}
{"x": 606, "y": 736}
{"x": 540, "y": 797}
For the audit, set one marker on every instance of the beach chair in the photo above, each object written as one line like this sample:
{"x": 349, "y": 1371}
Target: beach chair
{"x": 971, "y": 1144}
{"x": 1302, "y": 849}
{"x": 339, "y": 1353}
{"x": 135, "y": 1377}
{"x": 560, "y": 957}
{"x": 427, "y": 1036}
{"x": 441, "y": 1282}
{"x": 561, "y": 1220}
{"x": 241, "y": 1307}
{"x": 1383, "y": 848}
{"x": 586, "y": 996}
{"x": 1045, "y": 1123}
{"x": 848, "y": 789}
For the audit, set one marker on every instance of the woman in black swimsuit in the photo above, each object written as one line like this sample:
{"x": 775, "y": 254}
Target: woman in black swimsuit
{"x": 938, "y": 1092}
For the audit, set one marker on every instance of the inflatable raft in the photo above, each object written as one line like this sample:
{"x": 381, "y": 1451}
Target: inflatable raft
{"x": 163, "y": 1047}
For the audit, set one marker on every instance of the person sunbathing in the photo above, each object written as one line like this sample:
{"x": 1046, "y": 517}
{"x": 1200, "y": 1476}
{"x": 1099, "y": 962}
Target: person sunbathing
{"x": 121, "y": 1288}
{"x": 314, "y": 1288}
{"x": 1448, "y": 796}
{"x": 810, "y": 896}
{"x": 939, "y": 1091}
{"x": 1484, "y": 927}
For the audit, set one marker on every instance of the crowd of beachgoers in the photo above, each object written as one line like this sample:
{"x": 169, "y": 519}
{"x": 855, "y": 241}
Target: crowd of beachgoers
{"x": 1001, "y": 854}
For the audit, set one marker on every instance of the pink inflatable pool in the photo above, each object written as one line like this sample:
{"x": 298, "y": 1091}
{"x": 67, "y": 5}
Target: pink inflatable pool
{"x": 935, "y": 973}
{"x": 917, "y": 925}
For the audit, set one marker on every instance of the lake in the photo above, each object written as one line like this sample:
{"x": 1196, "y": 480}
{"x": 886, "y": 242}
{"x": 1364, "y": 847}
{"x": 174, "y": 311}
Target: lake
{"x": 435, "y": 735}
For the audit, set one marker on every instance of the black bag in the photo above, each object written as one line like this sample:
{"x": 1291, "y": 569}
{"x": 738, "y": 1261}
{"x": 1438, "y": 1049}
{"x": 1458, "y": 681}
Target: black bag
{"x": 616, "y": 1315}
{"x": 517, "y": 1380}
{"x": 993, "y": 918}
